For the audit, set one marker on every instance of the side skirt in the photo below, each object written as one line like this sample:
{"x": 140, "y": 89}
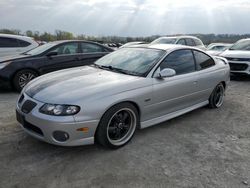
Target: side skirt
{"x": 166, "y": 117}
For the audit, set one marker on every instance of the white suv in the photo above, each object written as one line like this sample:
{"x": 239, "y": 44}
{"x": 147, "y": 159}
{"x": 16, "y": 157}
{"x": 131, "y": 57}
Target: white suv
{"x": 182, "y": 40}
{"x": 238, "y": 57}
{"x": 15, "y": 44}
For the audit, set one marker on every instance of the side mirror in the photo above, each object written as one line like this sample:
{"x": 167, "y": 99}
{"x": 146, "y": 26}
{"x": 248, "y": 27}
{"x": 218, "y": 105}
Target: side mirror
{"x": 51, "y": 54}
{"x": 167, "y": 73}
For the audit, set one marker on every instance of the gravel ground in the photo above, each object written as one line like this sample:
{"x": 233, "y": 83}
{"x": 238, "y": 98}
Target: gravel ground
{"x": 205, "y": 148}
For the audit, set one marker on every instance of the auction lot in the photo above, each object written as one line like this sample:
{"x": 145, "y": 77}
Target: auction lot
{"x": 204, "y": 148}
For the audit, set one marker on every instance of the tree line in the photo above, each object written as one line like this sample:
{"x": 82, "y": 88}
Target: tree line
{"x": 65, "y": 35}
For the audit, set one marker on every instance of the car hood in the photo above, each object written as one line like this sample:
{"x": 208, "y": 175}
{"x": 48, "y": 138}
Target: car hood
{"x": 236, "y": 54}
{"x": 71, "y": 85}
{"x": 12, "y": 57}
{"x": 213, "y": 52}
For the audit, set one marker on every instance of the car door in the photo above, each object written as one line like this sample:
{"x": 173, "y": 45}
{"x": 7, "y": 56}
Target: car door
{"x": 178, "y": 92}
{"x": 90, "y": 52}
{"x": 66, "y": 56}
{"x": 207, "y": 77}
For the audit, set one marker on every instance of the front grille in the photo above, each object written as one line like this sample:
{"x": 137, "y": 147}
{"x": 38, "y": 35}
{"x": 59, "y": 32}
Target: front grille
{"x": 32, "y": 128}
{"x": 21, "y": 119}
{"x": 238, "y": 66}
{"x": 28, "y": 106}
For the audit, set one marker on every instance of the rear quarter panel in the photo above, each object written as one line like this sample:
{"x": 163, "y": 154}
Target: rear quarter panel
{"x": 209, "y": 78}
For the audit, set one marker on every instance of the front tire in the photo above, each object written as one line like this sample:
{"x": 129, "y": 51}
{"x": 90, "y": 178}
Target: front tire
{"x": 117, "y": 126}
{"x": 217, "y": 97}
{"x": 23, "y": 77}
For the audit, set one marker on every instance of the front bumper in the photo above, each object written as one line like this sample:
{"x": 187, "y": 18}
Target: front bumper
{"x": 42, "y": 126}
{"x": 242, "y": 67}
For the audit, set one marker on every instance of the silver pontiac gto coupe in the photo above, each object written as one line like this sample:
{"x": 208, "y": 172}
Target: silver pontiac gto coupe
{"x": 131, "y": 88}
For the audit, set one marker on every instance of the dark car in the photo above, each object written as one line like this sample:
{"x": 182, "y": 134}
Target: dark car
{"x": 53, "y": 56}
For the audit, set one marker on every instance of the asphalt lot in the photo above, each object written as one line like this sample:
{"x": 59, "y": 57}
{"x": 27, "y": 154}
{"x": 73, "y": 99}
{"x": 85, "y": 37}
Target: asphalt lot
{"x": 205, "y": 148}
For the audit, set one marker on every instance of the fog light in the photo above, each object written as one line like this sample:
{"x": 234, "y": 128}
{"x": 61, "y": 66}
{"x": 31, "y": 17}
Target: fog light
{"x": 60, "y": 136}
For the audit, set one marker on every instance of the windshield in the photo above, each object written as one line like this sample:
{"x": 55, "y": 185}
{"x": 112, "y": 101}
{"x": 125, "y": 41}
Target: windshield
{"x": 164, "y": 41}
{"x": 40, "y": 49}
{"x": 133, "y": 61}
{"x": 218, "y": 48}
{"x": 241, "y": 45}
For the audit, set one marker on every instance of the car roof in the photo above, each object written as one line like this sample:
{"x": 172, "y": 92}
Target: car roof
{"x": 14, "y": 36}
{"x": 165, "y": 47}
{"x": 244, "y": 39}
{"x": 181, "y": 36}
{"x": 62, "y": 41}
{"x": 92, "y": 42}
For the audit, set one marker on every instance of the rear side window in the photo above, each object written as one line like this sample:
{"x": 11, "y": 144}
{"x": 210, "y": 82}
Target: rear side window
{"x": 198, "y": 42}
{"x": 203, "y": 61}
{"x": 182, "y": 61}
{"x": 190, "y": 42}
{"x": 8, "y": 42}
{"x": 89, "y": 48}
{"x": 23, "y": 43}
{"x": 182, "y": 42}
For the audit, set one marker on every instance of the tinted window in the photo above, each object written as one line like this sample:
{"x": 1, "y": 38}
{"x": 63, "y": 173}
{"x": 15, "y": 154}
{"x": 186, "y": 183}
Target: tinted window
{"x": 197, "y": 42}
{"x": 203, "y": 61}
{"x": 88, "y": 47}
{"x": 23, "y": 43}
{"x": 190, "y": 42}
{"x": 181, "y": 61}
{"x": 164, "y": 40}
{"x": 8, "y": 42}
{"x": 182, "y": 42}
{"x": 69, "y": 48}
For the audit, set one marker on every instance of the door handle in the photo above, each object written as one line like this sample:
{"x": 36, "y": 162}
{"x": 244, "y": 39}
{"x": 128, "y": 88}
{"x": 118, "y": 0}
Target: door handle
{"x": 195, "y": 82}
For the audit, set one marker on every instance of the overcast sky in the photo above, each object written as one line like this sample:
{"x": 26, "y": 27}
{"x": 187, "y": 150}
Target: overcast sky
{"x": 127, "y": 18}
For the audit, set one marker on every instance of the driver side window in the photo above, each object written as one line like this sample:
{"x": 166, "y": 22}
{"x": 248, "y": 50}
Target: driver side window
{"x": 182, "y": 61}
{"x": 69, "y": 48}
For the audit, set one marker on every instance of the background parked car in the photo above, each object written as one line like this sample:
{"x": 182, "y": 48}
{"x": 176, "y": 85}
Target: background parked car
{"x": 182, "y": 40}
{"x": 217, "y": 48}
{"x": 19, "y": 70}
{"x": 133, "y": 43}
{"x": 15, "y": 44}
{"x": 238, "y": 57}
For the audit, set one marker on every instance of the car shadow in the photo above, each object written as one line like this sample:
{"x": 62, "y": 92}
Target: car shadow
{"x": 4, "y": 88}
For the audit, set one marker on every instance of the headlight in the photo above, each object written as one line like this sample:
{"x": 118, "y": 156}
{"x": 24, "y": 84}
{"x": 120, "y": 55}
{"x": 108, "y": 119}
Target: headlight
{"x": 2, "y": 65}
{"x": 59, "y": 110}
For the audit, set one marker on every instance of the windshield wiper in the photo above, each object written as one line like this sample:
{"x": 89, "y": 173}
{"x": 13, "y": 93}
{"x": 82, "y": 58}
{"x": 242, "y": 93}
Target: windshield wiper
{"x": 25, "y": 53}
{"x": 102, "y": 66}
{"x": 109, "y": 67}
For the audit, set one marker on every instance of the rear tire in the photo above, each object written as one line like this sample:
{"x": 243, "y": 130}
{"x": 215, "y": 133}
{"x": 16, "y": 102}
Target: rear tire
{"x": 217, "y": 97}
{"x": 117, "y": 126}
{"x": 23, "y": 77}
